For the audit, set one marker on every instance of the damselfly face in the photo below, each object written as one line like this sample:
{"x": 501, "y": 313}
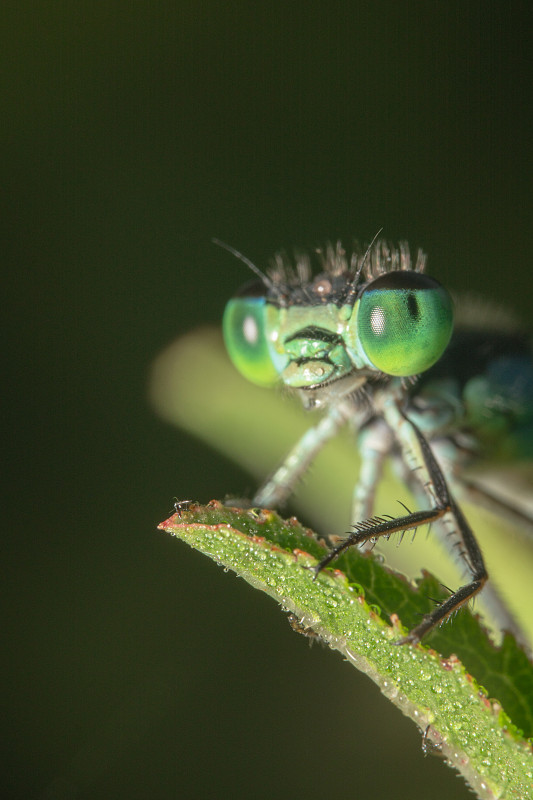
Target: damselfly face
{"x": 309, "y": 332}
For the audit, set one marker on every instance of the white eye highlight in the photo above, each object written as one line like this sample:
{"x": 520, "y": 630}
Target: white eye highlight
{"x": 250, "y": 330}
{"x": 377, "y": 320}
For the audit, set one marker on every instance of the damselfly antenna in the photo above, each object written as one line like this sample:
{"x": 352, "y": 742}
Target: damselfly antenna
{"x": 363, "y": 262}
{"x": 265, "y": 279}
{"x": 355, "y": 282}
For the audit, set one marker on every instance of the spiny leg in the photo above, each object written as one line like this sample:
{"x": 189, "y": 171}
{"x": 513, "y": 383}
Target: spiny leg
{"x": 493, "y": 601}
{"x": 474, "y": 561}
{"x": 415, "y": 446}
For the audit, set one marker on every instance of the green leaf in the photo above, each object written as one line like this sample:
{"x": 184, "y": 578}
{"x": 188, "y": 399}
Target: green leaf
{"x": 474, "y": 733}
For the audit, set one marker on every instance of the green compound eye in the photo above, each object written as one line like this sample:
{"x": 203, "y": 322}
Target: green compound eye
{"x": 243, "y": 326}
{"x": 404, "y": 322}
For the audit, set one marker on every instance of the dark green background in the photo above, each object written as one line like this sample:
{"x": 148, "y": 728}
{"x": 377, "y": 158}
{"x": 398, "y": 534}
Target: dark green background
{"x": 132, "y": 133}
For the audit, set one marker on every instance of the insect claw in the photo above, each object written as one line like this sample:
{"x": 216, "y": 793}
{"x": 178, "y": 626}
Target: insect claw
{"x": 411, "y": 638}
{"x": 316, "y": 569}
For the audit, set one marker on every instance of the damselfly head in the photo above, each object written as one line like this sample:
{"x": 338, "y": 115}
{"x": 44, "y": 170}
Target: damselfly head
{"x": 326, "y": 315}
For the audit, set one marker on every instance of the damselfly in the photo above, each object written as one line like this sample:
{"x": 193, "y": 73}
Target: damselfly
{"x": 369, "y": 339}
